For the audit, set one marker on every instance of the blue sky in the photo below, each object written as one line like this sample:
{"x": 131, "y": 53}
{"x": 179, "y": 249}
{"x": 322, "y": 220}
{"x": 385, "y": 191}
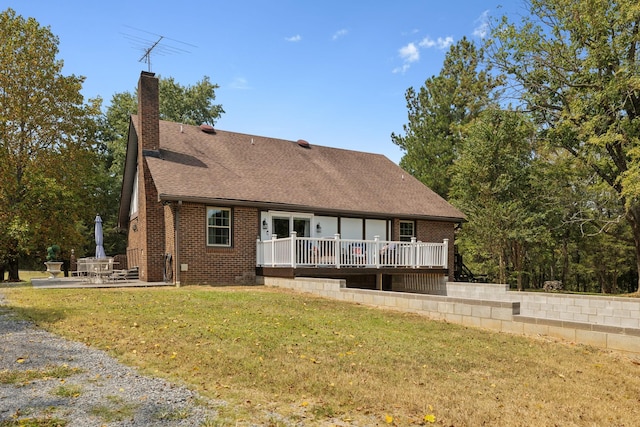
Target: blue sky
{"x": 331, "y": 72}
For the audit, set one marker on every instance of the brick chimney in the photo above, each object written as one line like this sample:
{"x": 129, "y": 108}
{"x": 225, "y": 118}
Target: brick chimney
{"x": 149, "y": 238}
{"x": 148, "y": 112}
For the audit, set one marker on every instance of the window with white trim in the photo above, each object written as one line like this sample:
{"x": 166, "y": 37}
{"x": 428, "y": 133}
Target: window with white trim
{"x": 218, "y": 226}
{"x": 133, "y": 206}
{"x": 407, "y": 231}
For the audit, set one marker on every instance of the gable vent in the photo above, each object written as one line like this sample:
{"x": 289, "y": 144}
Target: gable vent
{"x": 303, "y": 143}
{"x": 207, "y": 128}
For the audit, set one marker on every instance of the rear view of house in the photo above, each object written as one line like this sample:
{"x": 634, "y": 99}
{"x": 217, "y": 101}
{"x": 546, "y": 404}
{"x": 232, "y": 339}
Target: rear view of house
{"x": 205, "y": 206}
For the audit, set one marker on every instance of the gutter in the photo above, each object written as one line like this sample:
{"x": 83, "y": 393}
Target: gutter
{"x": 176, "y": 241}
{"x": 310, "y": 209}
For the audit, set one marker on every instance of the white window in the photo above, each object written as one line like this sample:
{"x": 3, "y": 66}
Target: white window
{"x": 407, "y": 231}
{"x": 133, "y": 207}
{"x": 218, "y": 227}
{"x": 375, "y": 227}
{"x": 283, "y": 223}
{"x": 351, "y": 228}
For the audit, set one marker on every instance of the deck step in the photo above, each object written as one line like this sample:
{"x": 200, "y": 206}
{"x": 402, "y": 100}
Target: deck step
{"x": 132, "y": 274}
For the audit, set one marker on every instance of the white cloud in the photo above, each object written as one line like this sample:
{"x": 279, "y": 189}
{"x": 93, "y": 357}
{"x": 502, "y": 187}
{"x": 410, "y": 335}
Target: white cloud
{"x": 439, "y": 43}
{"x": 410, "y": 33}
{"x": 340, "y": 33}
{"x": 239, "y": 83}
{"x": 482, "y": 25}
{"x": 401, "y": 70}
{"x": 409, "y": 53}
{"x": 295, "y": 38}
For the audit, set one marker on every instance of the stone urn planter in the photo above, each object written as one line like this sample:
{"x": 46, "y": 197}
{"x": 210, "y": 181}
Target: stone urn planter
{"x": 54, "y": 268}
{"x": 53, "y": 265}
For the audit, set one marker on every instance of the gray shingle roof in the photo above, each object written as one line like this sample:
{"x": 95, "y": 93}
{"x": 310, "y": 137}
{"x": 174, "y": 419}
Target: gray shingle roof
{"x": 239, "y": 168}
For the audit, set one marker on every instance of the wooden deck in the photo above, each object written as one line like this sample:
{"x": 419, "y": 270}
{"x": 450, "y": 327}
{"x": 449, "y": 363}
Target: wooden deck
{"x": 381, "y": 278}
{"x": 291, "y": 272}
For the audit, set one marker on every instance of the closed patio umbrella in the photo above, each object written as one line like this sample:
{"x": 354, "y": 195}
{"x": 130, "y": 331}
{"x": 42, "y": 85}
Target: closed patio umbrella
{"x": 99, "y": 238}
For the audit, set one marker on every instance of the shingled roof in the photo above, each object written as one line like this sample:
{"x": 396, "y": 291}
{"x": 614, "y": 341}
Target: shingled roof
{"x": 235, "y": 168}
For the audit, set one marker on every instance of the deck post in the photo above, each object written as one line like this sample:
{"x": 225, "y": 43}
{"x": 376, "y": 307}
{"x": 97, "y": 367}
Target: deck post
{"x": 336, "y": 249}
{"x": 379, "y": 281}
{"x": 414, "y": 253}
{"x": 445, "y": 254}
{"x": 273, "y": 250}
{"x": 377, "y": 252}
{"x": 294, "y": 245}
{"x": 259, "y": 250}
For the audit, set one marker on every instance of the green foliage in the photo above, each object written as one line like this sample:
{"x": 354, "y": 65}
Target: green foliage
{"x": 553, "y": 194}
{"x": 22, "y": 376}
{"x": 191, "y": 105}
{"x": 116, "y": 410}
{"x": 71, "y": 390}
{"x": 47, "y": 153}
{"x": 439, "y": 109}
{"x": 116, "y": 125}
{"x": 492, "y": 184}
{"x": 52, "y": 252}
{"x": 34, "y": 422}
{"x": 577, "y": 65}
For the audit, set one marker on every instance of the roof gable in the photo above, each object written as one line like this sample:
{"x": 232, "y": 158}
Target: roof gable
{"x": 228, "y": 167}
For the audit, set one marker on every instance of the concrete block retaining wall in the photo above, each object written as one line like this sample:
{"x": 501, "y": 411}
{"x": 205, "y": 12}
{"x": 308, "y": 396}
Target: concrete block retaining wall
{"x": 490, "y": 291}
{"x": 484, "y": 314}
{"x": 607, "y": 322}
{"x": 592, "y": 309}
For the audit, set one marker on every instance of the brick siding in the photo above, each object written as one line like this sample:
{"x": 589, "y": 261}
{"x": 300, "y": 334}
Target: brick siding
{"x": 208, "y": 265}
{"x": 437, "y": 231}
{"x": 217, "y": 265}
{"x": 148, "y": 112}
{"x": 148, "y": 237}
{"x": 432, "y": 232}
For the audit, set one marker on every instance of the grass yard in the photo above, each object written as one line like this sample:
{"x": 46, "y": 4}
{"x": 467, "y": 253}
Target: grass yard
{"x": 281, "y": 358}
{"x": 27, "y": 275}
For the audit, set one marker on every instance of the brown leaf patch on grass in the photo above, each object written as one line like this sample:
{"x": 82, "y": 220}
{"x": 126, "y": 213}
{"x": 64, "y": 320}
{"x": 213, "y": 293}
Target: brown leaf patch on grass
{"x": 268, "y": 351}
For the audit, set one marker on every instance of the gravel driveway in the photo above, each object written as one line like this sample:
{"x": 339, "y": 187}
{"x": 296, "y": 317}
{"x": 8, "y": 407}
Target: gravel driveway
{"x": 100, "y": 392}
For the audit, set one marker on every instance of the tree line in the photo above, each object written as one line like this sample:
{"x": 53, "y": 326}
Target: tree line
{"x": 61, "y": 156}
{"x": 534, "y": 134}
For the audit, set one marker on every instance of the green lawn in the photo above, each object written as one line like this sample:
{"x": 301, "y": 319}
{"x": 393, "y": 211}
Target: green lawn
{"x": 311, "y": 360}
{"x": 27, "y": 275}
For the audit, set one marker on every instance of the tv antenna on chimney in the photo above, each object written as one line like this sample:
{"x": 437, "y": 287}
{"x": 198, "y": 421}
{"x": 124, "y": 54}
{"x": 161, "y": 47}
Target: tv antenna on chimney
{"x": 157, "y": 45}
{"x": 147, "y": 53}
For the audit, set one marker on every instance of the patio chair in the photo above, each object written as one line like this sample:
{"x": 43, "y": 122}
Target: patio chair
{"x": 389, "y": 254}
{"x": 357, "y": 254}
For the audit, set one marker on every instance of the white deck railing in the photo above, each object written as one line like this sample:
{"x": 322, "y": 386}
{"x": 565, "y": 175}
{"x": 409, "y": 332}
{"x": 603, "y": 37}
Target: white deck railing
{"x": 335, "y": 252}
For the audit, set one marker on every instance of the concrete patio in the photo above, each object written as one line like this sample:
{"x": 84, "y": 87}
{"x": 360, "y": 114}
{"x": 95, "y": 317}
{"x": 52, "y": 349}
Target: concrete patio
{"x": 82, "y": 283}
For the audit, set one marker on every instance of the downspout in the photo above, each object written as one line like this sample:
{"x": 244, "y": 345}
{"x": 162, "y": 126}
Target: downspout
{"x": 176, "y": 240}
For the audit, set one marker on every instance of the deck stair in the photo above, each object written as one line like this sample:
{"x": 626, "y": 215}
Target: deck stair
{"x": 132, "y": 274}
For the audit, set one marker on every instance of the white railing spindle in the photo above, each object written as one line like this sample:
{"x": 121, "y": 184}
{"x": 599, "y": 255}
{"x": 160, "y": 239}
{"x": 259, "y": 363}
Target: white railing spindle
{"x": 294, "y": 251}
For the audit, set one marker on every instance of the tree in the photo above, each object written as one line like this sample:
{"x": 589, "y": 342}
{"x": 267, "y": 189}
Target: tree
{"x": 577, "y": 65}
{"x": 46, "y": 156}
{"x": 492, "y": 184}
{"x": 438, "y": 111}
{"x": 586, "y": 226}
